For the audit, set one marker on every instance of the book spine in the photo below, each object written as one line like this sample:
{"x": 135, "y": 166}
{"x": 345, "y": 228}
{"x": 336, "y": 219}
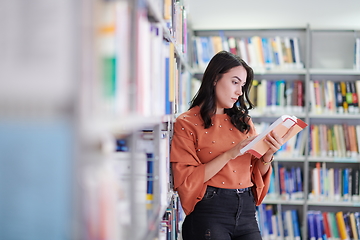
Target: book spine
{"x": 341, "y": 225}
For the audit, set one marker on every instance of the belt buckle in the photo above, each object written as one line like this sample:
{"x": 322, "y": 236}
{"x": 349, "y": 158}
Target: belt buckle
{"x": 240, "y": 190}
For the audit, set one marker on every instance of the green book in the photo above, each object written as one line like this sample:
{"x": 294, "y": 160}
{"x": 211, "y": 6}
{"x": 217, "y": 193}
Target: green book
{"x": 333, "y": 225}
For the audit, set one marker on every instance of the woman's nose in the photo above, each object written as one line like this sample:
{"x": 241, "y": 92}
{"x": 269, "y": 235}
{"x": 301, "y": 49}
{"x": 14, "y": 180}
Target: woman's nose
{"x": 239, "y": 91}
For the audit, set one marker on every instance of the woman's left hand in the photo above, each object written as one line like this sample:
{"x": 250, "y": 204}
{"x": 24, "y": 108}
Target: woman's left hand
{"x": 275, "y": 142}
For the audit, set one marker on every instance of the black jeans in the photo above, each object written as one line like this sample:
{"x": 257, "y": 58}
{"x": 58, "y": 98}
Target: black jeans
{"x": 223, "y": 214}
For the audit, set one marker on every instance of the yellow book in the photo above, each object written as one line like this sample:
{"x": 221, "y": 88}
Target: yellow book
{"x": 329, "y": 142}
{"x": 253, "y": 92}
{"x": 261, "y": 96}
{"x": 256, "y": 40}
{"x": 341, "y": 226}
{"x": 217, "y": 44}
{"x": 167, "y": 10}
{"x": 353, "y": 226}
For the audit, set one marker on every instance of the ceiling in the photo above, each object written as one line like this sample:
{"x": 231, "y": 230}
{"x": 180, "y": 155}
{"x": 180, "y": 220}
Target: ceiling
{"x": 252, "y": 14}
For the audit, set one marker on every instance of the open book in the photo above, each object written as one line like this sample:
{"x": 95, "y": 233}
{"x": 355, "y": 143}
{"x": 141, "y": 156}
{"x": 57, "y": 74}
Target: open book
{"x": 281, "y": 126}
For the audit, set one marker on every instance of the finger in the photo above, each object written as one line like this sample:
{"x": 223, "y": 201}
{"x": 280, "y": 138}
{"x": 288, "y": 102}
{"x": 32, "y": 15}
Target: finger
{"x": 273, "y": 146}
{"x": 274, "y": 140}
{"x": 288, "y": 133}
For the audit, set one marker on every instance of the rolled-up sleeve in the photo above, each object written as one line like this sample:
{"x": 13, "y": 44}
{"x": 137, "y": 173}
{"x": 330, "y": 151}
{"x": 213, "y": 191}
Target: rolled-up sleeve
{"x": 187, "y": 169}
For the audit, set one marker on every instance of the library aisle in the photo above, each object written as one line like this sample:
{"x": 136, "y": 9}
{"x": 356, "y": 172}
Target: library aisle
{"x": 89, "y": 93}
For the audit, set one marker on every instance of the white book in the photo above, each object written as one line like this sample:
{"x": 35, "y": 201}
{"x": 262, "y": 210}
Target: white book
{"x": 331, "y": 184}
{"x": 280, "y": 52}
{"x": 289, "y": 225}
{"x": 298, "y": 63}
{"x": 243, "y": 51}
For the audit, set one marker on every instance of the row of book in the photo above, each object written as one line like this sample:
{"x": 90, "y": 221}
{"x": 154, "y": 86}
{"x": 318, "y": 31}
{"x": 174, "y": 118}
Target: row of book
{"x": 259, "y": 52}
{"x": 278, "y": 225}
{"x": 290, "y": 180}
{"x": 325, "y": 96}
{"x": 132, "y": 180}
{"x": 150, "y": 88}
{"x": 333, "y": 225}
{"x": 334, "y": 184}
{"x": 175, "y": 17}
{"x": 277, "y": 96}
{"x": 170, "y": 226}
{"x": 294, "y": 147}
{"x": 331, "y": 97}
{"x": 340, "y": 141}
{"x": 327, "y": 184}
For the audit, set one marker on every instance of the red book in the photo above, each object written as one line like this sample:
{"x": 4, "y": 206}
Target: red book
{"x": 300, "y": 93}
{"x": 258, "y": 147}
{"x": 282, "y": 181}
{"x": 326, "y": 225}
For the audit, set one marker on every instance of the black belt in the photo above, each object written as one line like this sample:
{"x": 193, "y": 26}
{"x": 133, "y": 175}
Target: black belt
{"x": 227, "y": 190}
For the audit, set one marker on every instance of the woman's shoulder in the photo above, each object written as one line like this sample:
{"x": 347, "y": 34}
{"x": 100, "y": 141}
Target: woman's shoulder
{"x": 191, "y": 116}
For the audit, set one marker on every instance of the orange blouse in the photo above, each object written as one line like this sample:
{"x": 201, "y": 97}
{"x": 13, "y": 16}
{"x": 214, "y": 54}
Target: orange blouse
{"x": 193, "y": 146}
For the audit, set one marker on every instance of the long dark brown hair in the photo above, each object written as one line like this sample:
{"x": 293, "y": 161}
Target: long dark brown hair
{"x": 221, "y": 63}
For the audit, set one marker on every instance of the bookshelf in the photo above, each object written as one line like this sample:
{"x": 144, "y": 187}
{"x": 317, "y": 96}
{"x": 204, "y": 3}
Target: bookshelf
{"x": 326, "y": 55}
{"x": 89, "y": 93}
{"x": 141, "y": 79}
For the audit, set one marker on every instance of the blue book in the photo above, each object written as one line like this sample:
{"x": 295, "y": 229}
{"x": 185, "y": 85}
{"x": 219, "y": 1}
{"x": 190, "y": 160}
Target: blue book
{"x": 150, "y": 176}
{"x": 268, "y": 214}
{"x": 345, "y": 184}
{"x": 285, "y": 226}
{"x": 207, "y": 51}
{"x": 268, "y": 57}
{"x": 272, "y": 183}
{"x": 299, "y": 179}
{"x": 348, "y": 225}
{"x": 287, "y": 183}
{"x": 168, "y": 108}
{"x": 294, "y": 188}
{"x": 311, "y": 225}
{"x": 296, "y": 226}
{"x": 319, "y": 226}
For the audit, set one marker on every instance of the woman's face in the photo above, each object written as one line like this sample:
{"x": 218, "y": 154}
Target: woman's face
{"x": 229, "y": 88}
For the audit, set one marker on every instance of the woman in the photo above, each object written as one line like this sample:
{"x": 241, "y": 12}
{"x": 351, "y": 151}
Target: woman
{"x": 218, "y": 187}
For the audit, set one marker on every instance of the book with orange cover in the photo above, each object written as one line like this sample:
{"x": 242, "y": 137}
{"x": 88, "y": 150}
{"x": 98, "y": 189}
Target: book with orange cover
{"x": 281, "y": 126}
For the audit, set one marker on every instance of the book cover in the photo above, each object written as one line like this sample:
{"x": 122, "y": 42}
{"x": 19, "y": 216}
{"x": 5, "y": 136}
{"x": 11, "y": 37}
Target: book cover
{"x": 319, "y": 227}
{"x": 357, "y": 222}
{"x": 333, "y": 226}
{"x": 289, "y": 224}
{"x": 281, "y": 126}
{"x": 326, "y": 225}
{"x": 296, "y": 225}
{"x": 311, "y": 225}
{"x": 348, "y": 225}
{"x": 268, "y": 215}
{"x": 341, "y": 225}
{"x": 353, "y": 227}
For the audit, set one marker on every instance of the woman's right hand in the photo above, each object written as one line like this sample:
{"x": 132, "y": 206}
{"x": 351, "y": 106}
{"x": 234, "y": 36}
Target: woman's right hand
{"x": 235, "y": 151}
